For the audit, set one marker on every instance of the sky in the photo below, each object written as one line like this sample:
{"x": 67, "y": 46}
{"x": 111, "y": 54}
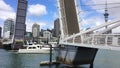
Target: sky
{"x": 44, "y": 12}
{"x": 92, "y": 12}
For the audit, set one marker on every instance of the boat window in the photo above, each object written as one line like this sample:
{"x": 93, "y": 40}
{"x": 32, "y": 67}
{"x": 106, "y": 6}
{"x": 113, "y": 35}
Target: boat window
{"x": 33, "y": 47}
{"x": 30, "y": 44}
{"x": 29, "y": 47}
{"x": 38, "y": 46}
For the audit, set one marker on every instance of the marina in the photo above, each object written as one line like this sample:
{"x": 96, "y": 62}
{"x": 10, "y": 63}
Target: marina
{"x": 72, "y": 47}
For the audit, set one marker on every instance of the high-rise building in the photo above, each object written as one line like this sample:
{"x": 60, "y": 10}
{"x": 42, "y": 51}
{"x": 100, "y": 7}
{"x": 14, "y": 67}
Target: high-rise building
{"x": 28, "y": 34}
{"x": 35, "y": 32}
{"x": 8, "y": 30}
{"x": 28, "y": 37}
{"x": 56, "y": 28}
{"x": 41, "y": 32}
{"x": 68, "y": 16}
{"x": 47, "y": 35}
{"x": 20, "y": 20}
{"x": 0, "y": 32}
{"x": 20, "y": 27}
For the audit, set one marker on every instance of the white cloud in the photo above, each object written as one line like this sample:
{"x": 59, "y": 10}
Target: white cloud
{"x": 37, "y": 10}
{"x": 95, "y": 19}
{"x": 6, "y": 11}
{"x": 113, "y": 6}
{"x": 43, "y": 25}
{"x": 51, "y": 26}
{"x": 92, "y": 21}
{"x": 6, "y": 14}
{"x": 29, "y": 24}
{"x": 116, "y": 30}
{"x": 4, "y": 6}
{"x": 55, "y": 15}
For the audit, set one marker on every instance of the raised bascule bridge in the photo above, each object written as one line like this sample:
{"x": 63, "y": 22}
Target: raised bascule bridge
{"x": 80, "y": 47}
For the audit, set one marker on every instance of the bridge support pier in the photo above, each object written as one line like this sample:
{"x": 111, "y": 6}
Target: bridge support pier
{"x": 91, "y": 65}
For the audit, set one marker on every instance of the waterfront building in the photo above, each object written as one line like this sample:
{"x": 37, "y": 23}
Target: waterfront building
{"x": 41, "y": 32}
{"x": 47, "y": 35}
{"x": 28, "y": 34}
{"x": 0, "y": 32}
{"x": 35, "y": 32}
{"x": 56, "y": 28}
{"x": 53, "y": 32}
{"x": 8, "y": 29}
{"x": 28, "y": 37}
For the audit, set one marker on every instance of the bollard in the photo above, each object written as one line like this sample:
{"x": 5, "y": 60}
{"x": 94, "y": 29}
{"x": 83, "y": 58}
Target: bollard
{"x": 50, "y": 54}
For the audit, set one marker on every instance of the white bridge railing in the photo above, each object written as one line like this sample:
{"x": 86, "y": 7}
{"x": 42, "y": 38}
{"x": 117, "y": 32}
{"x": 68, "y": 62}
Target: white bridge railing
{"x": 102, "y": 41}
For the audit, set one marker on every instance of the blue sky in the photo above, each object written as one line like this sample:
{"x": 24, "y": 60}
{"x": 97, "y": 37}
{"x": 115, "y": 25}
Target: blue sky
{"x": 44, "y": 12}
{"x": 93, "y": 12}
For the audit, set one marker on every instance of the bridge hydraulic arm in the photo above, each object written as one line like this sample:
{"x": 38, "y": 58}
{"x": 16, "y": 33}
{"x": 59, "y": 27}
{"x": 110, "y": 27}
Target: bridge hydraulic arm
{"x": 112, "y": 27}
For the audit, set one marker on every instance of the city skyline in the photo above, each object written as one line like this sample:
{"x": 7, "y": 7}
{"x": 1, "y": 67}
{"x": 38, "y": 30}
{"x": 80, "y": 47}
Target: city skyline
{"x": 46, "y": 12}
{"x": 76, "y": 33}
{"x": 44, "y": 15}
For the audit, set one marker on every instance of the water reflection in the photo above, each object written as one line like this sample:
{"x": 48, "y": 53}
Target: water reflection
{"x": 13, "y": 60}
{"x": 104, "y": 59}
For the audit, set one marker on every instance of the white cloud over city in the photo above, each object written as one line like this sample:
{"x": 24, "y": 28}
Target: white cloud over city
{"x": 29, "y": 24}
{"x": 113, "y": 6}
{"x": 113, "y": 10}
{"x": 37, "y": 10}
{"x": 43, "y": 25}
{"x": 6, "y": 11}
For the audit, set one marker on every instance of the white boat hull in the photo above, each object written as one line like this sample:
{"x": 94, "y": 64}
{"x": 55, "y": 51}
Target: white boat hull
{"x": 43, "y": 50}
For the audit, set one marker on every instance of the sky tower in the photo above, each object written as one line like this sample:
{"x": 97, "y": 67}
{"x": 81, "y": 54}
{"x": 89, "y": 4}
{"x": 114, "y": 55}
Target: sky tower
{"x": 106, "y": 14}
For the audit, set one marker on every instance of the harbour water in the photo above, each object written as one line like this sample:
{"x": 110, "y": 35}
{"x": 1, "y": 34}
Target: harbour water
{"x": 10, "y": 59}
{"x": 104, "y": 59}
